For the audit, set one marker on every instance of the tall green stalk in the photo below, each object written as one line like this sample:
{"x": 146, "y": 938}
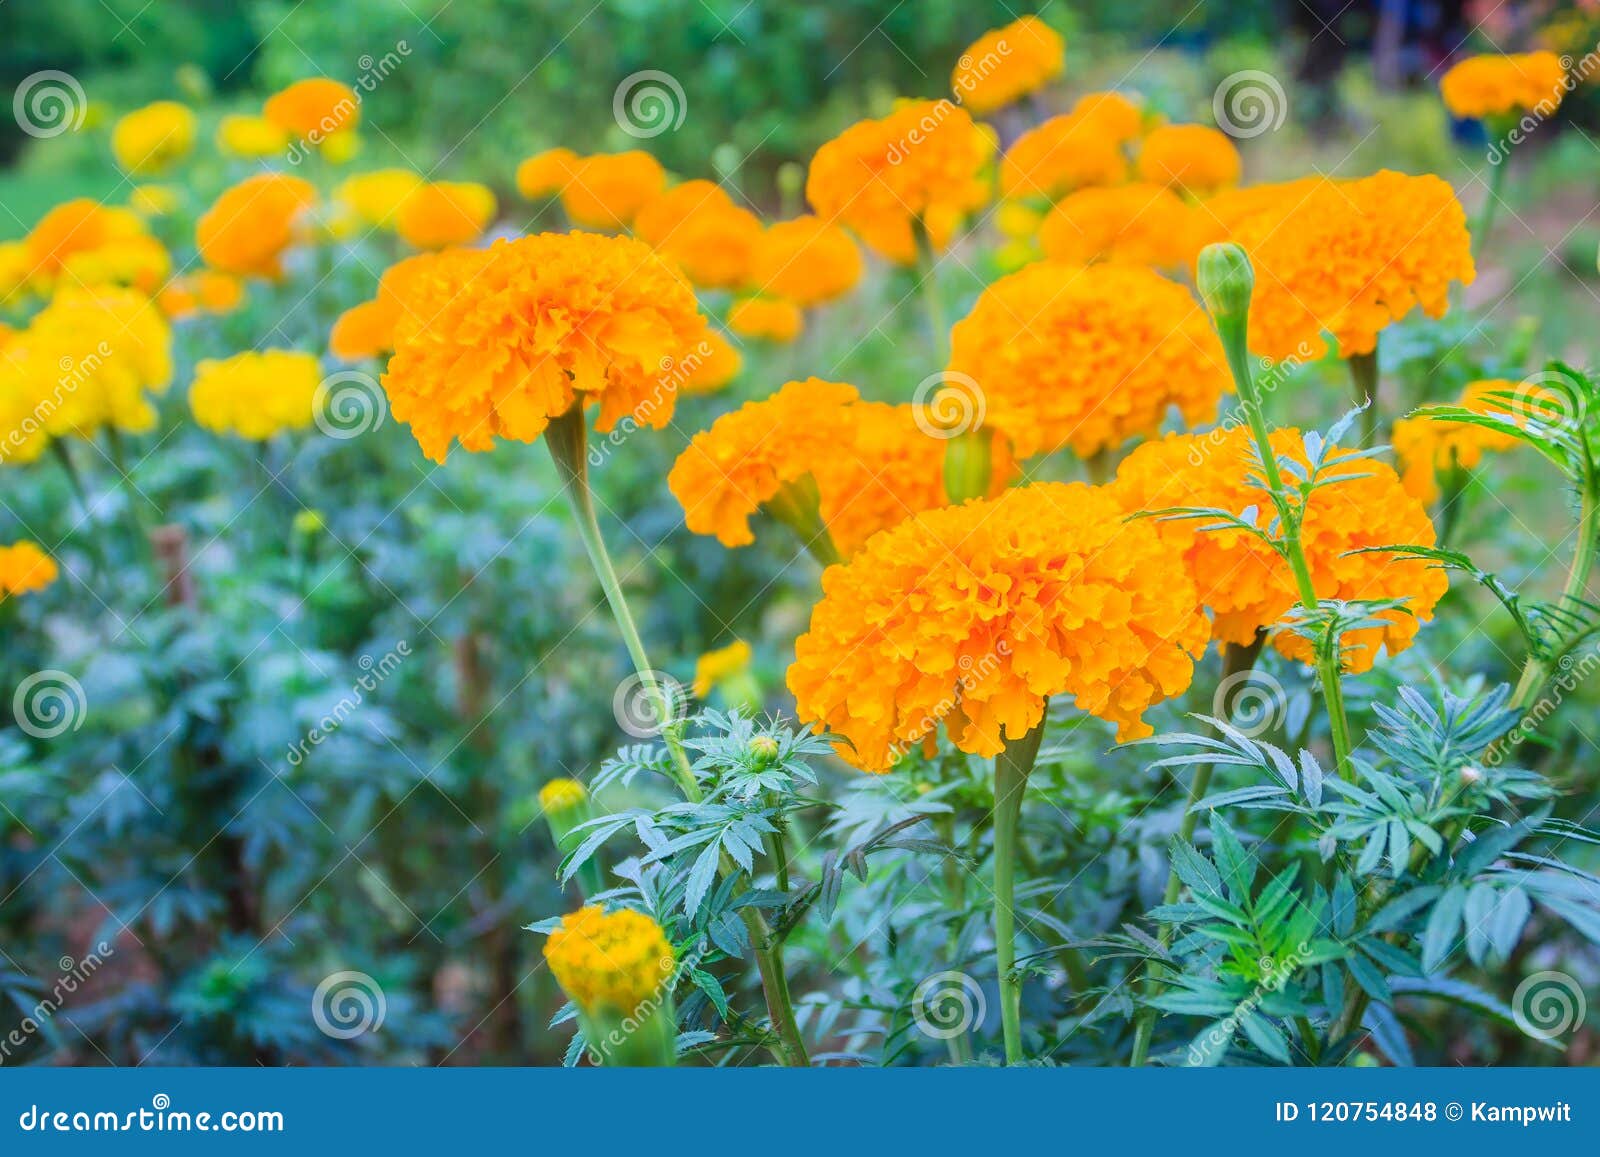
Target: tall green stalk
{"x": 1011, "y": 769}
{"x": 567, "y": 438}
{"x": 1364, "y": 384}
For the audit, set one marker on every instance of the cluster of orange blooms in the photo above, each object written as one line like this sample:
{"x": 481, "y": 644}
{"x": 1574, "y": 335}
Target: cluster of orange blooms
{"x": 968, "y": 616}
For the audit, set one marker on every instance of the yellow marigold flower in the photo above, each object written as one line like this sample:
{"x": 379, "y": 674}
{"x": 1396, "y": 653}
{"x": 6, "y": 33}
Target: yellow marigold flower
{"x": 1347, "y": 257}
{"x": 1006, "y": 64}
{"x": 341, "y": 148}
{"x": 1427, "y": 447}
{"x": 1112, "y": 113}
{"x": 561, "y": 795}
{"x": 443, "y": 214}
{"x": 153, "y": 200}
{"x": 1494, "y": 85}
{"x": 610, "y": 960}
{"x": 25, "y": 568}
{"x": 140, "y": 262}
{"x": 375, "y": 198}
{"x": 1088, "y": 357}
{"x": 314, "y": 110}
{"x": 1065, "y": 153}
{"x": 15, "y": 268}
{"x": 150, "y": 139}
{"x": 256, "y": 394}
{"x": 1196, "y": 159}
{"x": 924, "y": 163}
{"x": 716, "y": 667}
{"x": 766, "y": 318}
{"x": 1247, "y": 584}
{"x": 727, "y": 473}
{"x": 806, "y": 261}
{"x": 872, "y": 465}
{"x": 250, "y": 137}
{"x": 546, "y": 174}
{"x": 608, "y": 190}
{"x": 1017, "y": 220}
{"x": 86, "y": 362}
{"x": 1137, "y": 223}
{"x": 497, "y": 342}
{"x": 973, "y": 615}
{"x": 709, "y": 368}
{"x": 248, "y": 228}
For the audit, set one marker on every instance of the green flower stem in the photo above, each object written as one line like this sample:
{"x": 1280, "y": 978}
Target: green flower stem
{"x": 1235, "y": 661}
{"x": 1011, "y": 768}
{"x": 1491, "y": 204}
{"x": 797, "y": 506}
{"x": 567, "y": 439}
{"x": 1231, "y": 329}
{"x": 968, "y": 465}
{"x": 955, "y": 899}
{"x": 1364, "y": 384}
{"x": 928, "y": 290}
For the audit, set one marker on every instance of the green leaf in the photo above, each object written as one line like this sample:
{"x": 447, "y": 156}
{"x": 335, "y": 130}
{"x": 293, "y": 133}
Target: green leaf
{"x": 1265, "y": 1036}
{"x": 1194, "y": 869}
{"x": 1370, "y": 979}
{"x": 1439, "y": 937}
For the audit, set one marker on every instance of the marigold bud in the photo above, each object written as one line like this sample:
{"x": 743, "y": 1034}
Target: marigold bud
{"x": 1226, "y": 281}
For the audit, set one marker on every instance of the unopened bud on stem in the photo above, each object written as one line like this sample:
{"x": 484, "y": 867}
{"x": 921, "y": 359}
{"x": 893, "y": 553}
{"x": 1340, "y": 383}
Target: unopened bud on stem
{"x": 1226, "y": 281}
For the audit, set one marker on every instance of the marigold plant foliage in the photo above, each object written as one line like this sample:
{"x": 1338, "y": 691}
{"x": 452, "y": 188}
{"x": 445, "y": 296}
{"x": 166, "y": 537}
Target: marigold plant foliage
{"x": 1346, "y": 256}
{"x": 1196, "y": 159}
{"x": 973, "y": 616}
{"x": 1428, "y": 447}
{"x": 249, "y": 227}
{"x": 1244, "y": 582}
{"x": 1087, "y": 357}
{"x": 924, "y": 165}
{"x": 25, "y": 568}
{"x": 1006, "y": 64}
{"x": 495, "y": 343}
{"x": 1503, "y": 85}
{"x": 256, "y": 394}
{"x": 610, "y": 960}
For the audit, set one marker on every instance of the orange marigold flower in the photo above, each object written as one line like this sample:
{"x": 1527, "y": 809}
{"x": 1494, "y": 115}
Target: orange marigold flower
{"x": 713, "y": 244}
{"x": 149, "y": 139}
{"x": 1112, "y": 113}
{"x": 1067, "y": 152}
{"x": 1346, "y": 256}
{"x": 1494, "y": 85}
{"x": 256, "y": 394}
{"x": 806, "y": 261}
{"x": 496, "y": 342}
{"x": 607, "y": 191}
{"x": 25, "y": 568}
{"x": 367, "y": 330}
{"x": 1087, "y": 357}
{"x": 923, "y": 163}
{"x": 1006, "y": 64}
{"x": 610, "y": 960}
{"x": 205, "y": 289}
{"x": 1138, "y": 223}
{"x": 315, "y": 109}
{"x": 766, "y": 318}
{"x": 1246, "y": 584}
{"x": 75, "y": 228}
{"x": 729, "y": 472}
{"x": 248, "y": 228}
{"x": 1197, "y": 159}
{"x": 711, "y": 367}
{"x": 1427, "y": 447}
{"x": 442, "y": 214}
{"x": 546, "y": 174}
{"x": 871, "y": 465}
{"x": 974, "y": 615}
{"x": 667, "y": 211}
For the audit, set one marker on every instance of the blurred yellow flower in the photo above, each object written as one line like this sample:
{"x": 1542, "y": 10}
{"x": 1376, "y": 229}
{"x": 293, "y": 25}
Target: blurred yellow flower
{"x": 314, "y": 110}
{"x": 766, "y": 318}
{"x": 256, "y": 394}
{"x": 1008, "y": 63}
{"x": 442, "y": 214}
{"x": 376, "y": 197}
{"x": 1136, "y": 223}
{"x": 25, "y": 568}
{"x": 150, "y": 139}
{"x": 716, "y": 667}
{"x": 546, "y": 174}
{"x": 1195, "y": 159}
{"x": 1428, "y": 447}
{"x": 806, "y": 261}
{"x": 249, "y": 227}
{"x": 251, "y": 137}
{"x": 83, "y": 241}
{"x": 561, "y": 795}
